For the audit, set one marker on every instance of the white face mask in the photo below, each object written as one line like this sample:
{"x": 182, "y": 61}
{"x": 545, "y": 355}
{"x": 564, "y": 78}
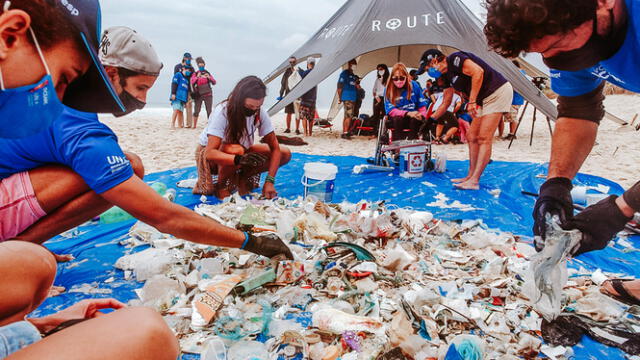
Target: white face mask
{"x": 381, "y": 72}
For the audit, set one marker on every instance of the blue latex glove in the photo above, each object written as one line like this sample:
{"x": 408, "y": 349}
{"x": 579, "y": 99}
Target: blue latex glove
{"x": 279, "y": 98}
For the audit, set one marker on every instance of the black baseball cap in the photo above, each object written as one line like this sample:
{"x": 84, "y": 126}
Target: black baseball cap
{"x": 426, "y": 59}
{"x": 93, "y": 91}
{"x": 187, "y": 55}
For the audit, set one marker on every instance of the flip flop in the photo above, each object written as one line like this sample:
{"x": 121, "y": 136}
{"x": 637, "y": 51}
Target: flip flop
{"x": 624, "y": 296}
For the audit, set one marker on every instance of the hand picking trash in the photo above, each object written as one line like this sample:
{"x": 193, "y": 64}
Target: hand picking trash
{"x": 366, "y": 281}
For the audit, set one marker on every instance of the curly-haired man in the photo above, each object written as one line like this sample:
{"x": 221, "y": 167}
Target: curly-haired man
{"x": 585, "y": 43}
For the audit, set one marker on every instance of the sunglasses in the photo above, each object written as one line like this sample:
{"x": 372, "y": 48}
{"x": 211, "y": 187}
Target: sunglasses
{"x": 398, "y": 78}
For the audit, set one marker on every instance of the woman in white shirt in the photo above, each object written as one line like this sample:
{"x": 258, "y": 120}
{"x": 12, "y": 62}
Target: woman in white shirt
{"x": 378, "y": 93}
{"x": 229, "y": 142}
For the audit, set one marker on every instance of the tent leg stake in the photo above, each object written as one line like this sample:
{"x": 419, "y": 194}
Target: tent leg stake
{"x": 549, "y": 124}
{"x": 526, "y": 104}
{"x": 533, "y": 125}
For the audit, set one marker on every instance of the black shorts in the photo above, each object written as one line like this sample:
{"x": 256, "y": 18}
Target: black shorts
{"x": 290, "y": 109}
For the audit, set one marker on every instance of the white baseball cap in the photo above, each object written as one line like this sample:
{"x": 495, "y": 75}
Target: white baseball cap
{"x": 124, "y": 47}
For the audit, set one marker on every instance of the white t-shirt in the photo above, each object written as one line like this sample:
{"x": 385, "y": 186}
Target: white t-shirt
{"x": 440, "y": 99}
{"x": 378, "y": 88}
{"x": 218, "y": 125}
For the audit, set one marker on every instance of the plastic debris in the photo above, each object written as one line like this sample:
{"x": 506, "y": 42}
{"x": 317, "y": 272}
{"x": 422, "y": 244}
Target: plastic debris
{"x": 369, "y": 281}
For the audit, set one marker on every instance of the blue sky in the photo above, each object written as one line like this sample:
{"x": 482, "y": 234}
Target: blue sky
{"x": 236, "y": 38}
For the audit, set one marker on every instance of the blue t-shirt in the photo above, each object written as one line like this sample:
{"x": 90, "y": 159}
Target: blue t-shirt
{"x": 76, "y": 140}
{"x": 348, "y": 82}
{"x": 621, "y": 69}
{"x": 517, "y": 98}
{"x": 182, "y": 90}
{"x": 416, "y": 102}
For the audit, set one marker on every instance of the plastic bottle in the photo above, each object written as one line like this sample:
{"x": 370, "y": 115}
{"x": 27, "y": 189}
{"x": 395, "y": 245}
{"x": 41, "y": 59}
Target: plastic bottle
{"x": 159, "y": 187}
{"x": 170, "y": 195}
{"x": 214, "y": 350}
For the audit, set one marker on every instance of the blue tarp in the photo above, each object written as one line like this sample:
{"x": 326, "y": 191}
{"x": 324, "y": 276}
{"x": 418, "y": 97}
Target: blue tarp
{"x": 96, "y": 247}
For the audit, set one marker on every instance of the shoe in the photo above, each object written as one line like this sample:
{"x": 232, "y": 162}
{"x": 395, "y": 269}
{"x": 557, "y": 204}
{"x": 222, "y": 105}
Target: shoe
{"x": 288, "y": 131}
{"x": 510, "y": 137}
{"x": 346, "y": 136}
{"x": 298, "y": 132}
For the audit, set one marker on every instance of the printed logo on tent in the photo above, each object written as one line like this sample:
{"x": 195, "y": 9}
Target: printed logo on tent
{"x": 411, "y": 22}
{"x": 335, "y": 32}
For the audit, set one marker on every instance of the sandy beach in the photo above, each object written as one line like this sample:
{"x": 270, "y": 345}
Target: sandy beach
{"x": 148, "y": 134}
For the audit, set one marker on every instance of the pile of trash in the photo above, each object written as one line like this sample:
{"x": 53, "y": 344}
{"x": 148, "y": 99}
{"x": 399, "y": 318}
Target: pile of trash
{"x": 369, "y": 281}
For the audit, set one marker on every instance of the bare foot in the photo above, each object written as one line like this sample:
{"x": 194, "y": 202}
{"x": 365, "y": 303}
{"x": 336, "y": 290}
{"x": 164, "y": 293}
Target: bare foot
{"x": 461, "y": 180}
{"x": 467, "y": 185}
{"x": 55, "y": 291}
{"x": 63, "y": 258}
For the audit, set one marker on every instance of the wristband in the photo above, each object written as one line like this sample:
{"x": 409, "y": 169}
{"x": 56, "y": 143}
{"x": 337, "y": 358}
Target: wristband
{"x": 236, "y": 160}
{"x": 270, "y": 179}
{"x": 246, "y": 240}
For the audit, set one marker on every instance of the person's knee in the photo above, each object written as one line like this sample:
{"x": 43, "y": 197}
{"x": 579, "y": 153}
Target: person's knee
{"x": 151, "y": 332}
{"x": 40, "y": 262}
{"x": 136, "y": 164}
{"x": 233, "y": 149}
{"x": 286, "y": 155}
{"x": 484, "y": 140}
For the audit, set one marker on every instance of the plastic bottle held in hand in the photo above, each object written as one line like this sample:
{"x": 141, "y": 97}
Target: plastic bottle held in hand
{"x": 170, "y": 195}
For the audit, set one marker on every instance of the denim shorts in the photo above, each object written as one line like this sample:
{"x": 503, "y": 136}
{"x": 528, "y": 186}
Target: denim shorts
{"x": 17, "y": 336}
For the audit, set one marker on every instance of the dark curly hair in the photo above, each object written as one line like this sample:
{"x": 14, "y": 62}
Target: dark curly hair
{"x": 513, "y": 24}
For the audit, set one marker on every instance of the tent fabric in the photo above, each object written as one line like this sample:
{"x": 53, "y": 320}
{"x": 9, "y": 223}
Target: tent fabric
{"x": 96, "y": 247}
{"x": 376, "y": 31}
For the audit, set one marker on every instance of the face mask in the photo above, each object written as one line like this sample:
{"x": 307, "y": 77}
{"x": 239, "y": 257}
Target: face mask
{"x": 27, "y": 110}
{"x": 201, "y": 68}
{"x": 597, "y": 49}
{"x": 249, "y": 112}
{"x": 189, "y": 62}
{"x": 434, "y": 73}
{"x": 130, "y": 103}
{"x": 187, "y": 73}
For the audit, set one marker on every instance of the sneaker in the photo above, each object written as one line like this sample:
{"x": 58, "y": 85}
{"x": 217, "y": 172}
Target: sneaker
{"x": 288, "y": 131}
{"x": 298, "y": 132}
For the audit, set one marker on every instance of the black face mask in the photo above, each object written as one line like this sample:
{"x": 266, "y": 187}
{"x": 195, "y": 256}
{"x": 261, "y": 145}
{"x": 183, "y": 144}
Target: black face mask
{"x": 249, "y": 112}
{"x": 597, "y": 49}
{"x": 130, "y": 103}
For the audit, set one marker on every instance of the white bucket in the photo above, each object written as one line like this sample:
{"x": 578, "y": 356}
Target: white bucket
{"x": 412, "y": 161}
{"x": 319, "y": 180}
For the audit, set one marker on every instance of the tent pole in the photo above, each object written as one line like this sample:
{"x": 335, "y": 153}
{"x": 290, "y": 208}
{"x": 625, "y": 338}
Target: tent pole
{"x": 549, "y": 124}
{"x": 533, "y": 125}
{"x": 526, "y": 104}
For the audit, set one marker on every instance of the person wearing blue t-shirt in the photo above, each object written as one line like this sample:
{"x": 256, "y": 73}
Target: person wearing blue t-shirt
{"x": 585, "y": 44}
{"x": 347, "y": 95}
{"x": 76, "y": 170}
{"x": 404, "y": 103}
{"x": 179, "y": 95}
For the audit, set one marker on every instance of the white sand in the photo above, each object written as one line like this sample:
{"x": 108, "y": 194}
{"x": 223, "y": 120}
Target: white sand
{"x": 147, "y": 134}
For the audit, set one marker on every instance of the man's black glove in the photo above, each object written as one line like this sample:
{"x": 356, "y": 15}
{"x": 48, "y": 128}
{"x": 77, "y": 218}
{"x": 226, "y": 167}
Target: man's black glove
{"x": 250, "y": 160}
{"x": 268, "y": 245}
{"x": 555, "y": 200}
{"x": 599, "y": 224}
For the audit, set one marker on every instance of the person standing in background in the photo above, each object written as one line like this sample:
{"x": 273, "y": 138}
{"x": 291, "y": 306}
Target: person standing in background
{"x": 308, "y": 101}
{"x": 202, "y": 82}
{"x": 284, "y": 90}
{"x": 518, "y": 101}
{"x": 378, "y": 93}
{"x": 179, "y": 96}
{"x": 186, "y": 61}
{"x": 347, "y": 95}
{"x": 361, "y": 95}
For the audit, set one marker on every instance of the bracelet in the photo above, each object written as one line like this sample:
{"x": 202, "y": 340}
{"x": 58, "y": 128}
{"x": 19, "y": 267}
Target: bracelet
{"x": 270, "y": 179}
{"x": 246, "y": 240}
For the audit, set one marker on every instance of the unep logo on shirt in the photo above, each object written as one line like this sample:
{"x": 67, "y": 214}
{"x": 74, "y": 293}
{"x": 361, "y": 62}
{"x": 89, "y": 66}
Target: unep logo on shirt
{"x": 117, "y": 163}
